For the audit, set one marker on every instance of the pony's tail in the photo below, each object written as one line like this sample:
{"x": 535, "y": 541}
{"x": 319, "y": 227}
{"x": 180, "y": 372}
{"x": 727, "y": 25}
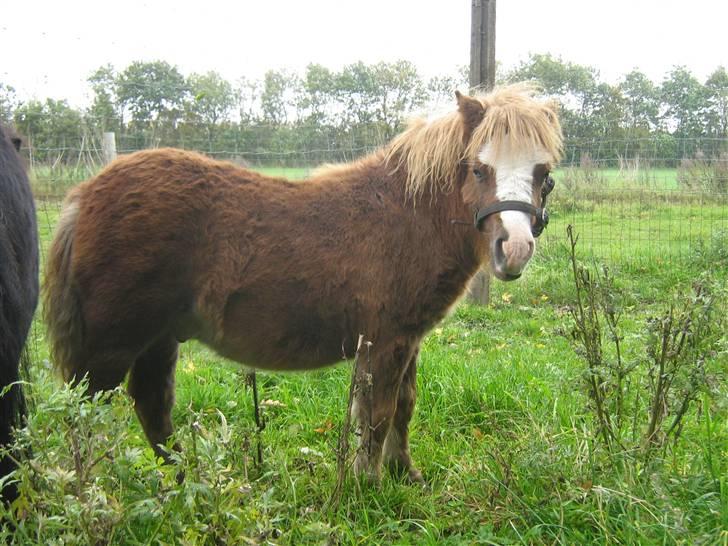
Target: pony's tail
{"x": 61, "y": 306}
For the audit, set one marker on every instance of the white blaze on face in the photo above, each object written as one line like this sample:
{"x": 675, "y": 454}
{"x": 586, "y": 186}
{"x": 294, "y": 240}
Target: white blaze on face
{"x": 514, "y": 182}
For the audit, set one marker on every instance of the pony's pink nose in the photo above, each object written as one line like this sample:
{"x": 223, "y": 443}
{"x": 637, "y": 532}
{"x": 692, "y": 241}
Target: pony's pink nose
{"x": 510, "y": 256}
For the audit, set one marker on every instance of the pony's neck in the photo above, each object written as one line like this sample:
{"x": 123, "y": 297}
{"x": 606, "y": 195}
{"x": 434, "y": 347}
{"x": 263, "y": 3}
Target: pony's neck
{"x": 439, "y": 204}
{"x": 465, "y": 246}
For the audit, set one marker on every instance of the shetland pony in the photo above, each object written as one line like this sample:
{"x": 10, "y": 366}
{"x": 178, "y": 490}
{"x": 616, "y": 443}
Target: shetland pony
{"x": 18, "y": 288}
{"x": 167, "y": 245}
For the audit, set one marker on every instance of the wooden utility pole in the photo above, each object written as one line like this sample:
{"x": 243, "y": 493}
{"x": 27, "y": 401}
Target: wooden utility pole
{"x": 482, "y": 76}
{"x": 482, "y": 45}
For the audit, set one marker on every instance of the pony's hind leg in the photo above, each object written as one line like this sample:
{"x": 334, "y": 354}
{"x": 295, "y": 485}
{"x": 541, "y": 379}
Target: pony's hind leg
{"x": 151, "y": 385}
{"x": 396, "y": 446}
{"x": 376, "y": 402}
{"x": 104, "y": 369}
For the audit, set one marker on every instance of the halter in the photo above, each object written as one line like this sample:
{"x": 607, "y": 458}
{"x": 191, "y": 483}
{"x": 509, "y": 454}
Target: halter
{"x": 540, "y": 214}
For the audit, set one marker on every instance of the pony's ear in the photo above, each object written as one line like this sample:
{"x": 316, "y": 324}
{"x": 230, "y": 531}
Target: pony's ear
{"x": 470, "y": 109}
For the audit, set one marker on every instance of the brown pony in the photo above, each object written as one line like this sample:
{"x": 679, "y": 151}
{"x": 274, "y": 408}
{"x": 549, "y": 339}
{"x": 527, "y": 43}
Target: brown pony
{"x": 167, "y": 245}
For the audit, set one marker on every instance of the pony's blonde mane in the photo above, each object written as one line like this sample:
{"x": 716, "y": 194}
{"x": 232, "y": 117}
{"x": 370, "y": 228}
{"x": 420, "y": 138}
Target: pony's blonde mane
{"x": 431, "y": 151}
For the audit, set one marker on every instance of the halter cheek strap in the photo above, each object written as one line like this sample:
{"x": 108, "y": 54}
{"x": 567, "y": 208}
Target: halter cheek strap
{"x": 540, "y": 214}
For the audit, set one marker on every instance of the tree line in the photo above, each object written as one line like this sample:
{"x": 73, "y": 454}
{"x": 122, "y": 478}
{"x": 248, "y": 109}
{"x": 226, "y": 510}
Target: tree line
{"x": 330, "y": 115}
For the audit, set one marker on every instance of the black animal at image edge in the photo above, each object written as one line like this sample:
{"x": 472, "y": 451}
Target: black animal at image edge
{"x": 18, "y": 289}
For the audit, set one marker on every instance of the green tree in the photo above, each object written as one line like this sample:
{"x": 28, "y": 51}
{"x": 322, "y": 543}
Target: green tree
{"x": 104, "y": 113}
{"x": 603, "y": 111}
{"x": 247, "y": 100}
{"x": 399, "y": 90}
{"x": 557, "y": 77}
{"x": 276, "y": 98}
{"x": 8, "y": 102}
{"x": 716, "y": 88}
{"x": 54, "y": 130}
{"x": 685, "y": 100}
{"x": 379, "y": 94}
{"x": 153, "y": 92}
{"x": 574, "y": 84}
{"x": 317, "y": 101}
{"x": 641, "y": 101}
{"x": 354, "y": 85}
{"x": 210, "y": 103}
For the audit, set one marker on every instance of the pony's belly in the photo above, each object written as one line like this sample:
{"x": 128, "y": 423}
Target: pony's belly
{"x": 290, "y": 354}
{"x": 280, "y": 345}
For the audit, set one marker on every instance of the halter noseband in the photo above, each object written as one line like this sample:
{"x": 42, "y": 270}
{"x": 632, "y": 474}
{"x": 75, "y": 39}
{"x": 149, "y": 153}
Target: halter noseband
{"x": 540, "y": 214}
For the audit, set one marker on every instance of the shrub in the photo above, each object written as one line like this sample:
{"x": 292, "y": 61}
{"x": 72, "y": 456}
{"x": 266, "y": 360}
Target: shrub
{"x": 639, "y": 396}
{"x": 88, "y": 477}
{"x": 704, "y": 174}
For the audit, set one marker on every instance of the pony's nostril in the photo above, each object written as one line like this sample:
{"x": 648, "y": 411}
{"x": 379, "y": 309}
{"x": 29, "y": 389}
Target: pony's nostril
{"x": 499, "y": 253}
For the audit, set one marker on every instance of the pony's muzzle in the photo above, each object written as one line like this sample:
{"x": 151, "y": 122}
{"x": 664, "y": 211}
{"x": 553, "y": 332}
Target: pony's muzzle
{"x": 510, "y": 255}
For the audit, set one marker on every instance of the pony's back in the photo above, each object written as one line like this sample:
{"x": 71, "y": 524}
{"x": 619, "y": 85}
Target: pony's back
{"x": 18, "y": 287}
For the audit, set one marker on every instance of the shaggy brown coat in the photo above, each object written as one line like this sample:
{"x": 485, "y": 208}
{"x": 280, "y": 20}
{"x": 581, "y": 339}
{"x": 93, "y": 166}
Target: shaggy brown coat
{"x": 167, "y": 245}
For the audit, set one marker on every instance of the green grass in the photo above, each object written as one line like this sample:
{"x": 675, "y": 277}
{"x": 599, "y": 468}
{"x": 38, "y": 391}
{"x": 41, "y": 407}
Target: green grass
{"x": 291, "y": 173}
{"x": 654, "y": 177}
{"x": 502, "y": 432}
{"x": 645, "y": 231}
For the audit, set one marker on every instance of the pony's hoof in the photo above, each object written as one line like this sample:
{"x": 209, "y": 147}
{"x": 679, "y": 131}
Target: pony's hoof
{"x": 366, "y": 473}
{"x": 414, "y": 477}
{"x": 406, "y": 472}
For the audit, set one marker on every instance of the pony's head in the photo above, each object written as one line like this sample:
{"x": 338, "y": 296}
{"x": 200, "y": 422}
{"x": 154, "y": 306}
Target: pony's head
{"x": 512, "y": 143}
{"x": 497, "y": 150}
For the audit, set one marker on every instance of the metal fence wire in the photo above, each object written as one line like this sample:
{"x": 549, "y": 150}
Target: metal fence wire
{"x": 626, "y": 199}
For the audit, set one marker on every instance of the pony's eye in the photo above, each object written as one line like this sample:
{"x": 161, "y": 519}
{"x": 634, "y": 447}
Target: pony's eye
{"x": 546, "y": 186}
{"x": 478, "y": 173}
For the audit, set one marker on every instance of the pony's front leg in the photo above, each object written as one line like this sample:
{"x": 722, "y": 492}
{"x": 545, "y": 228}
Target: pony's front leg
{"x": 396, "y": 446}
{"x": 379, "y": 375}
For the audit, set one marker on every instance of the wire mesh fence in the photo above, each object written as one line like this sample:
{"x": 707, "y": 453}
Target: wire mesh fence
{"x": 630, "y": 208}
{"x": 628, "y": 201}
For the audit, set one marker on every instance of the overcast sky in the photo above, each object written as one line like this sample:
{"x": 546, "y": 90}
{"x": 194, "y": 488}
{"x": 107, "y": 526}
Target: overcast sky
{"x": 48, "y": 48}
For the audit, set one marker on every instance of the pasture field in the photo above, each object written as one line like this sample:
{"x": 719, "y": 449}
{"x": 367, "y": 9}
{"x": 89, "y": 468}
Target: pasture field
{"x": 503, "y": 430}
{"x": 653, "y": 177}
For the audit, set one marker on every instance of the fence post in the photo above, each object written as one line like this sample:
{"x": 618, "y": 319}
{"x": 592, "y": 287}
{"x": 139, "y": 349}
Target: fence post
{"x": 108, "y": 147}
{"x": 482, "y": 76}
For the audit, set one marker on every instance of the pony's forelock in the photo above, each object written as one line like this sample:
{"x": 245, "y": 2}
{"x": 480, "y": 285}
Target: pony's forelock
{"x": 516, "y": 120}
{"x": 431, "y": 151}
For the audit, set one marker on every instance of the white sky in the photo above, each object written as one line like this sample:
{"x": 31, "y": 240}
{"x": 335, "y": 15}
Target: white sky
{"x": 49, "y": 47}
